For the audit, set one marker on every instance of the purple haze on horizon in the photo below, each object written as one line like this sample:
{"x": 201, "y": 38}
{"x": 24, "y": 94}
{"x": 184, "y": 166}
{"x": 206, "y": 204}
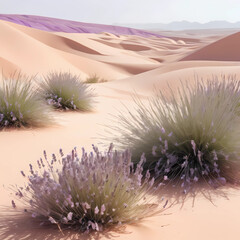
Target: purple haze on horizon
{"x": 61, "y": 25}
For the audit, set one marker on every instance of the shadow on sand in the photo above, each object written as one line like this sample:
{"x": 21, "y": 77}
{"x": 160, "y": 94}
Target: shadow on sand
{"x": 15, "y": 225}
{"x": 200, "y": 191}
{"x": 22, "y": 227}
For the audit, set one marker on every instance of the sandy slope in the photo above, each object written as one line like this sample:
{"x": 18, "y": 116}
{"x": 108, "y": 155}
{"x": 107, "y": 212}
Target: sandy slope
{"x": 225, "y": 49}
{"x": 129, "y": 63}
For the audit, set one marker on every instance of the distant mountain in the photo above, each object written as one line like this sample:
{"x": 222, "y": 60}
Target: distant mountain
{"x": 61, "y": 25}
{"x": 184, "y": 25}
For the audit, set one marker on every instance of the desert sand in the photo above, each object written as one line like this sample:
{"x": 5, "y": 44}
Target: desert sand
{"x": 129, "y": 63}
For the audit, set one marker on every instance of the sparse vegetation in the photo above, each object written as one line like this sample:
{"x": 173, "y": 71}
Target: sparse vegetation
{"x": 65, "y": 91}
{"x": 88, "y": 192}
{"x": 20, "y": 106}
{"x": 95, "y": 79}
{"x": 189, "y": 138}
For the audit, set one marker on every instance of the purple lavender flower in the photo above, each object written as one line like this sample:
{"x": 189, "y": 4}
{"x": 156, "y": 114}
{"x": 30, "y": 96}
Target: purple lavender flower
{"x": 20, "y": 105}
{"x": 89, "y": 191}
{"x": 194, "y": 130}
{"x": 66, "y": 91}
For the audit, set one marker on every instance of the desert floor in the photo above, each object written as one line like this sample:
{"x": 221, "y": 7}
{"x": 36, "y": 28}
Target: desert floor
{"x": 129, "y": 64}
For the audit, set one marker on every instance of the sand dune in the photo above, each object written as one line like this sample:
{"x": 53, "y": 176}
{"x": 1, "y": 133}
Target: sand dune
{"x": 129, "y": 63}
{"x": 85, "y": 54}
{"x": 226, "y": 49}
{"x": 46, "y": 51}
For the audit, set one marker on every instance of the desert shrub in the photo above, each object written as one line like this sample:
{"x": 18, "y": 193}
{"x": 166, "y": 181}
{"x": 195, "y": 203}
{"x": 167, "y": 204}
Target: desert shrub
{"x": 190, "y": 137}
{"x": 65, "y": 91}
{"x": 95, "y": 79}
{"x": 88, "y": 192}
{"x": 20, "y": 105}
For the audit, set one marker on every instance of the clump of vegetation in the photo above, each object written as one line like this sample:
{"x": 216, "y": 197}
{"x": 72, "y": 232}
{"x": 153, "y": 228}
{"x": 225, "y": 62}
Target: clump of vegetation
{"x": 65, "y": 91}
{"x": 20, "y": 105}
{"x": 88, "y": 192}
{"x": 189, "y": 138}
{"x": 95, "y": 79}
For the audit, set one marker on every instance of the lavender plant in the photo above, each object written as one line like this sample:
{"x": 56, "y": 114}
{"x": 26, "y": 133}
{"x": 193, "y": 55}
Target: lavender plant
{"x": 65, "y": 91}
{"x": 88, "y": 192}
{"x": 190, "y": 137}
{"x": 20, "y": 105}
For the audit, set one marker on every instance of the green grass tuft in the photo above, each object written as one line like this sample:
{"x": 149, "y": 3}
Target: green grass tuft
{"x": 20, "y": 106}
{"x": 191, "y": 137}
{"x": 65, "y": 91}
{"x": 95, "y": 79}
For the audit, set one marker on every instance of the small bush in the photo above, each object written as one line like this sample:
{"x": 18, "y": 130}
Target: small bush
{"x": 65, "y": 91}
{"x": 88, "y": 192}
{"x": 95, "y": 79}
{"x": 190, "y": 137}
{"x": 20, "y": 105}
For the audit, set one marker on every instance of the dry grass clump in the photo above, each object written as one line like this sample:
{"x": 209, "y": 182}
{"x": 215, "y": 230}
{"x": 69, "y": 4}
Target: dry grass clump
{"x": 95, "y": 79}
{"x": 65, "y": 91}
{"x": 88, "y": 192}
{"x": 20, "y": 105}
{"x": 189, "y": 138}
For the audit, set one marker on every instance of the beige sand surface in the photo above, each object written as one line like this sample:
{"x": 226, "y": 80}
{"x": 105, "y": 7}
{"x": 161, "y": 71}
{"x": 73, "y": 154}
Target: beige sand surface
{"x": 129, "y": 63}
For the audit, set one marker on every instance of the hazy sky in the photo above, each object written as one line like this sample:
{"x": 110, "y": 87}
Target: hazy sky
{"x": 127, "y": 11}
